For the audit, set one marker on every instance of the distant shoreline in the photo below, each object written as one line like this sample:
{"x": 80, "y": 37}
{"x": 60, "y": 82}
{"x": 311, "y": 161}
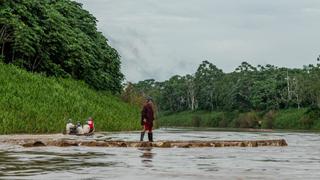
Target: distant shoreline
{"x": 180, "y": 128}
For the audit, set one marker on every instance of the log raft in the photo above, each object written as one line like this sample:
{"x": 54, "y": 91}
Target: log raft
{"x": 158, "y": 144}
{"x": 60, "y": 140}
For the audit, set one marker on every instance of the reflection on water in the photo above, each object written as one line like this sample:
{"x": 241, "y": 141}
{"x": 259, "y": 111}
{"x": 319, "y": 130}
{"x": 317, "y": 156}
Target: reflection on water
{"x": 147, "y": 156}
{"x": 300, "y": 160}
{"x": 24, "y": 163}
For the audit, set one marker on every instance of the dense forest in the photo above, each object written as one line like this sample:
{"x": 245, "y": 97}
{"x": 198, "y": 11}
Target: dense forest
{"x": 247, "y": 88}
{"x": 58, "y": 38}
{"x": 263, "y": 89}
{"x": 55, "y": 65}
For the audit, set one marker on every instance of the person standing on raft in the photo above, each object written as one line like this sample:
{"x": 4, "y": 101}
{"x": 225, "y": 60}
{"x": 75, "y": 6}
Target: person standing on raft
{"x": 147, "y": 118}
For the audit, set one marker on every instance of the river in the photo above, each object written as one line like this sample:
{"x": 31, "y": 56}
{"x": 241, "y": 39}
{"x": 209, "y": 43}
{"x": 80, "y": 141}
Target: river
{"x": 300, "y": 160}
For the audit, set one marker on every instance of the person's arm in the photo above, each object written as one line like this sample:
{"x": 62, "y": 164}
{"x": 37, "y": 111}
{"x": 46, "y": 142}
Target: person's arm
{"x": 152, "y": 114}
{"x": 144, "y": 114}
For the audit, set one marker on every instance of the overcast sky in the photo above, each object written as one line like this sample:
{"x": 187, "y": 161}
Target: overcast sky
{"x": 160, "y": 38}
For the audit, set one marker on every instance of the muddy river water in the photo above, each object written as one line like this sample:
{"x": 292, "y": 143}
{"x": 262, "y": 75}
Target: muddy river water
{"x": 300, "y": 160}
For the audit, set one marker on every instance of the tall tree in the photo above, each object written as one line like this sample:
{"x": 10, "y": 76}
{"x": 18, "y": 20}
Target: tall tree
{"x": 59, "y": 38}
{"x": 206, "y": 82}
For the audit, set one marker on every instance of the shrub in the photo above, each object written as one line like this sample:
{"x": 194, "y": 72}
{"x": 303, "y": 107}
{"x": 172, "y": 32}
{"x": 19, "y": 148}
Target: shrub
{"x": 196, "y": 120}
{"x": 310, "y": 117}
{"x": 214, "y": 119}
{"x": 268, "y": 119}
{"x": 282, "y": 119}
{"x": 248, "y": 120}
{"x": 223, "y": 123}
{"x": 289, "y": 119}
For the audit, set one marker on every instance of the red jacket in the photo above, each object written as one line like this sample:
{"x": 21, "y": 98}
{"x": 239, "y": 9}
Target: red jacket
{"x": 91, "y": 124}
{"x": 147, "y": 113}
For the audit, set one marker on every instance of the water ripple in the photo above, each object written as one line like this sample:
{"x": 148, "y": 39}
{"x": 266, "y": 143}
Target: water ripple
{"x": 300, "y": 160}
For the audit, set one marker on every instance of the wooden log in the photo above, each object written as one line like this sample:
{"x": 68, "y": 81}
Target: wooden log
{"x": 158, "y": 144}
{"x": 65, "y": 141}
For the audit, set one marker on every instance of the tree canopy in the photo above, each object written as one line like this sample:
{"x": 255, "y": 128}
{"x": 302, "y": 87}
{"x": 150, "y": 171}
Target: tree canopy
{"x": 58, "y": 38}
{"x": 247, "y": 88}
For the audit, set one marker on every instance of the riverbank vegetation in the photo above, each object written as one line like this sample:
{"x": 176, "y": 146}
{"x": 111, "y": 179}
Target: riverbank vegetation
{"x": 58, "y": 38}
{"x": 283, "y": 119}
{"x": 32, "y": 103}
{"x": 72, "y": 70}
{"x": 277, "y": 97}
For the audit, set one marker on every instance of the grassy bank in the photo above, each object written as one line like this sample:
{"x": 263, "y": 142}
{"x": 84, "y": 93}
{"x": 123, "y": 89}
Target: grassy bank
{"x": 32, "y": 103}
{"x": 303, "y": 119}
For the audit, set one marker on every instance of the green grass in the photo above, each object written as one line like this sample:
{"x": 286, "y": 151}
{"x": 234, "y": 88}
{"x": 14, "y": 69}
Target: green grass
{"x": 191, "y": 119}
{"x": 289, "y": 119}
{"x": 32, "y": 103}
{"x": 295, "y": 119}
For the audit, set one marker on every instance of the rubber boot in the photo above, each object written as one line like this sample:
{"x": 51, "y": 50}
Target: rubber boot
{"x": 142, "y": 136}
{"x": 150, "y": 137}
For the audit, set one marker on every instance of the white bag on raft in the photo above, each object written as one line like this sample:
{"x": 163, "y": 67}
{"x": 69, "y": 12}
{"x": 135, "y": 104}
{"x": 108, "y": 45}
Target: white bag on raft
{"x": 68, "y": 127}
{"x": 80, "y": 130}
{"x": 86, "y": 129}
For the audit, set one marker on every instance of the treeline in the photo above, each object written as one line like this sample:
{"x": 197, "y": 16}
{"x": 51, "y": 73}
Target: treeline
{"x": 248, "y": 88}
{"x": 58, "y": 38}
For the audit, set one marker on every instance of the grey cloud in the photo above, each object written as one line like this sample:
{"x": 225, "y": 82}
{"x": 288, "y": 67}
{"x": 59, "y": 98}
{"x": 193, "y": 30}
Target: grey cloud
{"x": 158, "y": 39}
